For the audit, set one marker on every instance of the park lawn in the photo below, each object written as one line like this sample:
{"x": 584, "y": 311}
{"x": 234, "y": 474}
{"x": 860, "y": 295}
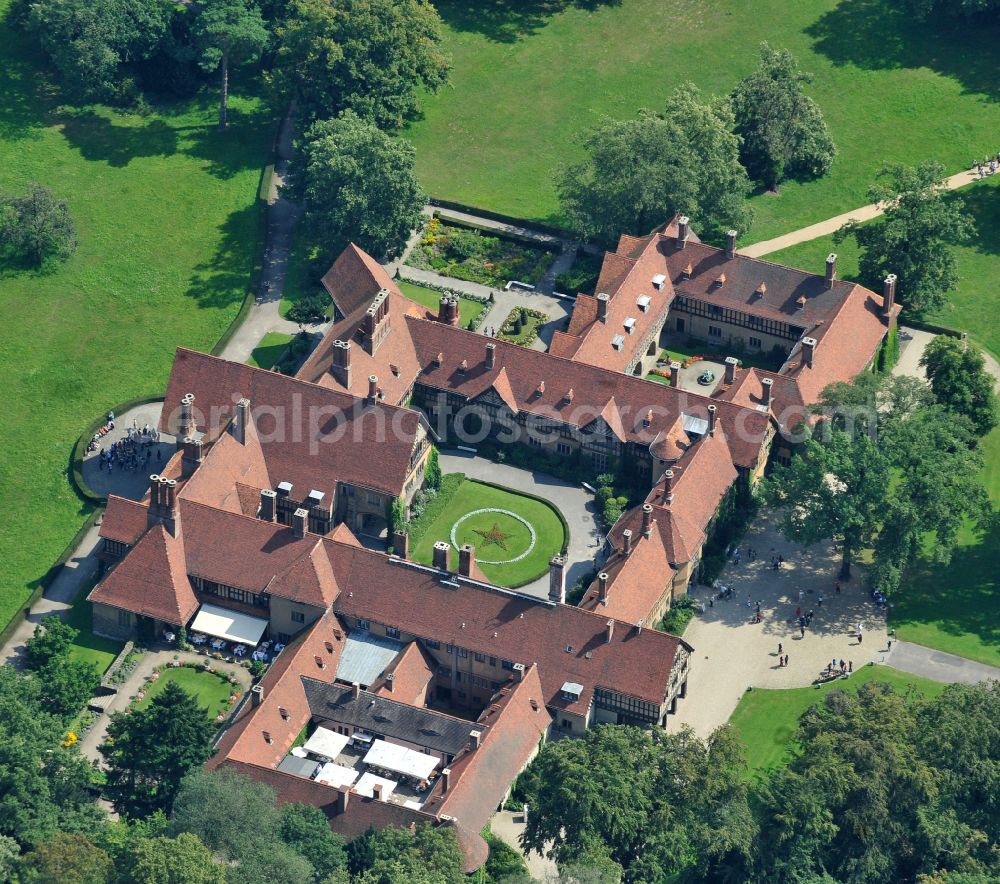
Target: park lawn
{"x": 890, "y": 89}
{"x": 550, "y": 535}
{"x": 431, "y": 298}
{"x": 210, "y": 689}
{"x": 270, "y": 349}
{"x": 767, "y": 719}
{"x": 87, "y": 647}
{"x": 167, "y": 218}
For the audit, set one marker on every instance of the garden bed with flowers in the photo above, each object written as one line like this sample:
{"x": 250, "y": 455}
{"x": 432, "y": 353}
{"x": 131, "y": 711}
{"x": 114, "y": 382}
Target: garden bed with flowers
{"x": 217, "y": 689}
{"x": 463, "y": 253}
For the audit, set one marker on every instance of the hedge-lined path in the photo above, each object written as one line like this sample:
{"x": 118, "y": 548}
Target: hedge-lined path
{"x": 573, "y": 501}
{"x": 832, "y": 225}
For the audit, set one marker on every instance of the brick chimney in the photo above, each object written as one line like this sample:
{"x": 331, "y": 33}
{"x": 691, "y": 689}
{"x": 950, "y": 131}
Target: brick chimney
{"x": 375, "y": 325}
{"x": 445, "y": 780}
{"x": 168, "y": 500}
{"x": 557, "y": 580}
{"x": 240, "y": 421}
{"x": 712, "y": 417}
{"x": 602, "y": 587}
{"x": 442, "y": 551}
{"x": 647, "y": 520}
{"x": 831, "y": 269}
{"x": 343, "y": 799}
{"x": 731, "y": 244}
{"x": 627, "y": 541}
{"x": 476, "y": 738}
{"x": 888, "y": 294}
{"x": 668, "y": 486}
{"x": 256, "y": 695}
{"x": 193, "y": 456}
{"x": 390, "y": 681}
{"x": 355, "y": 690}
{"x": 766, "y": 384}
{"x": 610, "y": 634}
{"x": 300, "y": 521}
{"x": 731, "y": 363}
{"x": 491, "y": 355}
{"x": 602, "y": 307}
{"x": 682, "y": 231}
{"x": 518, "y": 672}
{"x": 808, "y": 351}
{"x": 268, "y": 505}
{"x": 340, "y": 368}
{"x": 401, "y": 544}
{"x": 372, "y": 389}
{"x": 448, "y": 311}
{"x": 466, "y": 559}
{"x": 185, "y": 424}
{"x": 675, "y": 374}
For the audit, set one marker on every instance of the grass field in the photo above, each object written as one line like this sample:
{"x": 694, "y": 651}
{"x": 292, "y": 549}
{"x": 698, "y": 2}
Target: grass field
{"x": 550, "y": 537}
{"x": 270, "y": 349}
{"x": 87, "y": 647}
{"x": 767, "y": 719}
{"x": 166, "y": 212}
{"x": 210, "y": 689}
{"x": 528, "y": 77}
{"x": 430, "y": 298}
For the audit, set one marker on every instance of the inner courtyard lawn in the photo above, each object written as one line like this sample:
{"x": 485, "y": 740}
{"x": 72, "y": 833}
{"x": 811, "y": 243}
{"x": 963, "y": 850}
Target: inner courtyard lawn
{"x": 431, "y": 298}
{"x": 528, "y": 77}
{"x": 87, "y": 647}
{"x": 270, "y": 349}
{"x": 165, "y": 208}
{"x": 210, "y": 689}
{"x": 497, "y": 537}
{"x": 766, "y": 719}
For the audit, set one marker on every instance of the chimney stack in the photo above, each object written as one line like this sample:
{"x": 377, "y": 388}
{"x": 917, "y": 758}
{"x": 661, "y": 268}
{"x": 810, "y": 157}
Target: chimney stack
{"x": 602, "y": 307}
{"x": 557, "y": 580}
{"x": 240, "y": 421}
{"x": 372, "y": 388}
{"x": 192, "y": 457}
{"x": 767, "y": 383}
{"x": 355, "y": 690}
{"x": 341, "y": 366}
{"x": 377, "y": 791}
{"x": 268, "y": 505}
{"x": 682, "y": 231}
{"x": 831, "y": 269}
{"x": 731, "y": 363}
{"x": 168, "y": 500}
{"x": 441, "y": 554}
{"x": 390, "y": 680}
{"x": 647, "y": 520}
{"x": 343, "y": 799}
{"x": 445, "y": 780}
{"x": 731, "y": 244}
{"x": 466, "y": 559}
{"x": 627, "y": 541}
{"x": 186, "y": 425}
{"x": 602, "y": 587}
{"x": 611, "y": 631}
{"x": 401, "y": 544}
{"x": 712, "y": 412}
{"x": 256, "y": 695}
{"x": 668, "y": 486}
{"x": 448, "y": 311}
{"x": 675, "y": 374}
{"x": 491, "y": 355}
{"x": 300, "y": 521}
{"x": 518, "y": 672}
{"x": 476, "y": 738}
{"x": 888, "y": 294}
{"x": 808, "y": 350}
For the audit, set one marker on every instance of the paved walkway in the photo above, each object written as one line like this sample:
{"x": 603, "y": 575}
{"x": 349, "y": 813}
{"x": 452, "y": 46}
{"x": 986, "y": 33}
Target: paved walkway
{"x": 125, "y": 483}
{"x": 508, "y": 826}
{"x": 938, "y": 665}
{"x": 831, "y": 225}
{"x": 131, "y": 686}
{"x": 573, "y": 501}
{"x": 912, "y": 348}
{"x": 731, "y": 653}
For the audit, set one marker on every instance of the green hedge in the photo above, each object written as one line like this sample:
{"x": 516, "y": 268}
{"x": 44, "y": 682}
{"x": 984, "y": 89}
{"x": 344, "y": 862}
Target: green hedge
{"x": 416, "y": 528}
{"x": 550, "y": 229}
{"x": 930, "y": 327}
{"x": 80, "y": 449}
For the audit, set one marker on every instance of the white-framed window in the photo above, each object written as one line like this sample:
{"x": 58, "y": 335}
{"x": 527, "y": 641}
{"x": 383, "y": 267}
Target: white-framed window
{"x": 392, "y": 631}
{"x": 373, "y": 498}
{"x": 364, "y": 624}
{"x": 714, "y": 331}
{"x": 124, "y": 618}
{"x": 563, "y": 449}
{"x": 298, "y": 617}
{"x": 755, "y": 342}
{"x": 600, "y": 460}
{"x": 534, "y": 441}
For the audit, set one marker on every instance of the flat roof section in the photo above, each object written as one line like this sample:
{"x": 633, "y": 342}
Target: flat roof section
{"x": 365, "y": 657}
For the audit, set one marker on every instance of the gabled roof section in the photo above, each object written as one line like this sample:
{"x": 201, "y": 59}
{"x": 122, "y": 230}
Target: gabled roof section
{"x": 227, "y": 466}
{"x": 151, "y": 580}
{"x": 612, "y": 417}
{"x": 411, "y": 672}
{"x": 354, "y": 280}
{"x": 501, "y": 384}
{"x": 124, "y": 520}
{"x": 308, "y": 579}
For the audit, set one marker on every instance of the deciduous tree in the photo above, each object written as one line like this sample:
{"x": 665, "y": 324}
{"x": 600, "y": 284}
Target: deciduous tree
{"x": 306, "y": 829}
{"x": 36, "y": 228}
{"x": 368, "y": 56}
{"x": 67, "y": 858}
{"x": 958, "y": 376}
{"x": 915, "y": 238}
{"x": 181, "y": 860}
{"x": 639, "y": 172}
{"x": 783, "y": 132}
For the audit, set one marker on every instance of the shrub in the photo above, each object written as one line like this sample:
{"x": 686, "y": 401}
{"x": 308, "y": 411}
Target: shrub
{"x": 675, "y": 621}
{"x": 432, "y": 475}
{"x": 311, "y": 308}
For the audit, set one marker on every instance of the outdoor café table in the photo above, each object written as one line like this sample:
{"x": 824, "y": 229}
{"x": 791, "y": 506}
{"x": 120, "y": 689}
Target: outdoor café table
{"x": 198, "y": 639}
{"x": 218, "y": 644}
{"x": 240, "y": 650}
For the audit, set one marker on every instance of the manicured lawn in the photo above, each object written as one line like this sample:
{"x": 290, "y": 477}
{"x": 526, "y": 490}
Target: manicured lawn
{"x": 166, "y": 212}
{"x": 270, "y": 349}
{"x": 528, "y": 77}
{"x": 502, "y": 538}
{"x": 533, "y": 321}
{"x": 767, "y": 719}
{"x": 431, "y": 298}
{"x": 90, "y": 648}
{"x": 210, "y": 689}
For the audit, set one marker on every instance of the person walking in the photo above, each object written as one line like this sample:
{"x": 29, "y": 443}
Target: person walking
{"x": 859, "y": 634}
{"x": 780, "y": 649}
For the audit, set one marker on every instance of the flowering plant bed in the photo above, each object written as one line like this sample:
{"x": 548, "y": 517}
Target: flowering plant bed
{"x": 467, "y": 254}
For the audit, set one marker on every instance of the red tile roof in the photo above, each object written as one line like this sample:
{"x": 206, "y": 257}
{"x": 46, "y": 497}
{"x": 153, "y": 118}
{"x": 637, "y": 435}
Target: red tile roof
{"x": 124, "y": 520}
{"x": 354, "y": 280}
{"x": 411, "y": 672}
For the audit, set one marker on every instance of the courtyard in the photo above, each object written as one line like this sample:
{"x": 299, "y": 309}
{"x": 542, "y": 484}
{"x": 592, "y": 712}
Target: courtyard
{"x": 515, "y": 535}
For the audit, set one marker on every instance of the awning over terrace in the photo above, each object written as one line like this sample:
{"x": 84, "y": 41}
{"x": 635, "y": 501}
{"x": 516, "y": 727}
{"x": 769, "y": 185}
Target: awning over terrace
{"x": 229, "y": 625}
{"x": 326, "y": 743}
{"x": 399, "y": 759}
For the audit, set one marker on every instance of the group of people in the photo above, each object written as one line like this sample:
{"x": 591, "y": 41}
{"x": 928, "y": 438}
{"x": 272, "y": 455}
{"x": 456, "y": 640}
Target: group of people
{"x": 132, "y": 452}
{"x": 844, "y": 668}
{"x": 988, "y": 165}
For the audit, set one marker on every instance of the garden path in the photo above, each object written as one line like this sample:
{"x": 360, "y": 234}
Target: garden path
{"x": 938, "y": 665}
{"x": 831, "y": 225}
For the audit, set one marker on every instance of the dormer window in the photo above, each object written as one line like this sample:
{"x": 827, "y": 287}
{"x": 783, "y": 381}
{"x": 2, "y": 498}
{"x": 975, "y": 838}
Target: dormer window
{"x": 659, "y": 281}
{"x": 618, "y": 342}
{"x": 630, "y": 324}
{"x": 643, "y": 302}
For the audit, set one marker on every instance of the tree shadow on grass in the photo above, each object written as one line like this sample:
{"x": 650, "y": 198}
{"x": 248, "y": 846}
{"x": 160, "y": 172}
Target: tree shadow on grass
{"x": 983, "y": 203}
{"x": 99, "y": 139}
{"x": 875, "y": 35}
{"x": 507, "y": 21}
{"x": 22, "y": 106}
{"x": 242, "y": 146}
{"x": 224, "y": 280}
